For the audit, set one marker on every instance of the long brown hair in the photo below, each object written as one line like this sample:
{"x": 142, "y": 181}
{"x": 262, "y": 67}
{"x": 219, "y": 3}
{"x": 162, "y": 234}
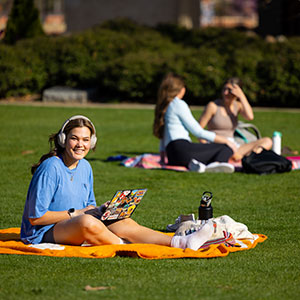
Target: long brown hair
{"x": 169, "y": 88}
{"x": 55, "y": 148}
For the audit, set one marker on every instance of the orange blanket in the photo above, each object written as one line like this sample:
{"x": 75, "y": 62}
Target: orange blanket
{"x": 10, "y": 243}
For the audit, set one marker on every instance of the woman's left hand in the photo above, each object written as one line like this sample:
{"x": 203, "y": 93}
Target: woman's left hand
{"x": 104, "y": 206}
{"x": 245, "y": 108}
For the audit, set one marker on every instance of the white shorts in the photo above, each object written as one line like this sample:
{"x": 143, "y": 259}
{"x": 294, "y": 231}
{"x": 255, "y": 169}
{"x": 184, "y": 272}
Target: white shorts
{"x": 233, "y": 141}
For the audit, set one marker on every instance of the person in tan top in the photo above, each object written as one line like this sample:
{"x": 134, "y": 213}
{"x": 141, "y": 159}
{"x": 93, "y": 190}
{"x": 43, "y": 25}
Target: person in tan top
{"x": 221, "y": 117}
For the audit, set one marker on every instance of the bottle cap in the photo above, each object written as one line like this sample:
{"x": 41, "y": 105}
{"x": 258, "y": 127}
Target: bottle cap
{"x": 277, "y": 133}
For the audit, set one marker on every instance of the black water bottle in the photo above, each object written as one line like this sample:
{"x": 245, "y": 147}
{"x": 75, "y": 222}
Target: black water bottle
{"x": 205, "y": 211}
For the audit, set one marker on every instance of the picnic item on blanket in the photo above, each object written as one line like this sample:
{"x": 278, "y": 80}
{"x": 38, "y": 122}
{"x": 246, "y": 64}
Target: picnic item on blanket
{"x": 178, "y": 221}
{"x": 205, "y": 210}
{"x": 288, "y": 151}
{"x": 276, "y": 139}
{"x": 122, "y": 205}
{"x": 217, "y": 236}
{"x": 246, "y": 133}
{"x": 205, "y": 214}
{"x": 224, "y": 226}
{"x": 10, "y": 243}
{"x": 266, "y": 162}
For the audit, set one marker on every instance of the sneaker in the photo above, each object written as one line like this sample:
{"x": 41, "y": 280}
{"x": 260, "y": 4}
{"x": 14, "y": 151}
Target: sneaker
{"x": 196, "y": 166}
{"x": 188, "y": 227}
{"x": 179, "y": 220}
{"x": 219, "y": 167}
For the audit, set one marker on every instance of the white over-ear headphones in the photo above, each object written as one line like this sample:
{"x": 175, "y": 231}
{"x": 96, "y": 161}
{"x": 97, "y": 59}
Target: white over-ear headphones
{"x": 61, "y": 137}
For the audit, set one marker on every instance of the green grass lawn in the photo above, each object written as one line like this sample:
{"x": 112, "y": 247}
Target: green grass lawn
{"x": 267, "y": 204}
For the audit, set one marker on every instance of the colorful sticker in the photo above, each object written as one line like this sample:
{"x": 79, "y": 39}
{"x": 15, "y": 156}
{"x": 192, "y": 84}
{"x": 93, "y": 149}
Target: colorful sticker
{"x": 123, "y": 204}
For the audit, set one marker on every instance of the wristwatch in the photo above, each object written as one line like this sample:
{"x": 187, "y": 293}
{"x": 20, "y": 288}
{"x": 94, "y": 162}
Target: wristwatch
{"x": 71, "y": 212}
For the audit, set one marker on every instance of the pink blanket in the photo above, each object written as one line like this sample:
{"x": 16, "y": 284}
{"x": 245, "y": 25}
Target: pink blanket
{"x": 149, "y": 161}
{"x": 152, "y": 161}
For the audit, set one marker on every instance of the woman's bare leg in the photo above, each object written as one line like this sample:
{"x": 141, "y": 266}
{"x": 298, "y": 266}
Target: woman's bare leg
{"x": 84, "y": 228}
{"x": 255, "y": 146}
{"x": 87, "y": 228}
{"x": 135, "y": 233}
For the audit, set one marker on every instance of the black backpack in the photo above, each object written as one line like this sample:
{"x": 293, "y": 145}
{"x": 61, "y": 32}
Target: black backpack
{"x": 266, "y": 162}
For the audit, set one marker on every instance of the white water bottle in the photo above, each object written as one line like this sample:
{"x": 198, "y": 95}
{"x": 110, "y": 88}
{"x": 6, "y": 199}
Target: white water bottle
{"x": 276, "y": 142}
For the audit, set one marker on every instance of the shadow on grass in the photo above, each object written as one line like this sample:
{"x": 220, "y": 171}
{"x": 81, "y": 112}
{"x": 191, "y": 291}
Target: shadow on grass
{"x": 10, "y": 237}
{"x": 116, "y": 156}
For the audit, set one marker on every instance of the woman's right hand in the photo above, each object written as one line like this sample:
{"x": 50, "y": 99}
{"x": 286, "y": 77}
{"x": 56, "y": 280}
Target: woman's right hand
{"x": 232, "y": 146}
{"x": 223, "y": 140}
{"x": 79, "y": 212}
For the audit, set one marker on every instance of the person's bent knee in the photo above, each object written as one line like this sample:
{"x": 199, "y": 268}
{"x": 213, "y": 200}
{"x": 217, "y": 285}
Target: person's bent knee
{"x": 76, "y": 230}
{"x": 264, "y": 142}
{"x": 89, "y": 225}
{"x": 268, "y": 143}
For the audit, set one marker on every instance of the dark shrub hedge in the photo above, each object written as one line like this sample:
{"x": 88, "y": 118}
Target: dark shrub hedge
{"x": 22, "y": 71}
{"x": 126, "y": 61}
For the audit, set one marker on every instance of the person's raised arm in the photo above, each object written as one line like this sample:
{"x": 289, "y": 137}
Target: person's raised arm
{"x": 245, "y": 108}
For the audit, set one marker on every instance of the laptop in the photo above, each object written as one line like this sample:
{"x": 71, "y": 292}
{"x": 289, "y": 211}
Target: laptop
{"x": 121, "y": 206}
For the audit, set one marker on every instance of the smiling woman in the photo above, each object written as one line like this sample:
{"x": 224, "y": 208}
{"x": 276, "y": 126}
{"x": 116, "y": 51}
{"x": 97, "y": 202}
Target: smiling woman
{"x": 61, "y": 145}
{"x": 78, "y": 144}
{"x": 60, "y": 199}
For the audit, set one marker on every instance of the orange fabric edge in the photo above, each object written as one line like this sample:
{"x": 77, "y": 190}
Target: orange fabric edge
{"x": 10, "y": 244}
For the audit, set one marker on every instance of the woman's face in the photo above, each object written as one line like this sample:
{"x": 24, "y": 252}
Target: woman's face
{"x": 78, "y": 144}
{"x": 226, "y": 92}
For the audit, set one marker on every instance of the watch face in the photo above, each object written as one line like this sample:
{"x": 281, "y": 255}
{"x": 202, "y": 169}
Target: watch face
{"x": 71, "y": 210}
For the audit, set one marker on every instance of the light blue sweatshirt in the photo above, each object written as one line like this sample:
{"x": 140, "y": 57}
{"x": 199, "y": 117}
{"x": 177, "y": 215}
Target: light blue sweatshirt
{"x": 179, "y": 121}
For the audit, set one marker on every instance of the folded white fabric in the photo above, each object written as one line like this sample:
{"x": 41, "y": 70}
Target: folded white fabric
{"x": 238, "y": 230}
{"x": 223, "y": 223}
